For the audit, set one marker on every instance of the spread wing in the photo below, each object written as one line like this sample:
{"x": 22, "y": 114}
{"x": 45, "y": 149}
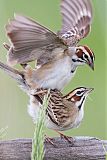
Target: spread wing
{"x": 76, "y": 20}
{"x": 30, "y": 41}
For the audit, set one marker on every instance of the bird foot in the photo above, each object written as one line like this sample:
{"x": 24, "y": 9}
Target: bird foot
{"x": 67, "y": 138}
{"x": 49, "y": 140}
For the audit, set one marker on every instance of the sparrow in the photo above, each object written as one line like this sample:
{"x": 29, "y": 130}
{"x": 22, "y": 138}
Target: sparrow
{"x": 57, "y": 55}
{"x": 64, "y": 112}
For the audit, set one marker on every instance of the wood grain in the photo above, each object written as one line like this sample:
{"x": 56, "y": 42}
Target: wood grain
{"x": 81, "y": 148}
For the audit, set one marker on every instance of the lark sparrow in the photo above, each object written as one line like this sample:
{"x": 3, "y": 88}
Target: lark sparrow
{"x": 63, "y": 112}
{"x": 57, "y": 55}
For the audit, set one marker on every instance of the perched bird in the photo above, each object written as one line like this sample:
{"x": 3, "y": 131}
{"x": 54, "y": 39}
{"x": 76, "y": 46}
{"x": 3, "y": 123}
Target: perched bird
{"x": 63, "y": 112}
{"x": 57, "y": 55}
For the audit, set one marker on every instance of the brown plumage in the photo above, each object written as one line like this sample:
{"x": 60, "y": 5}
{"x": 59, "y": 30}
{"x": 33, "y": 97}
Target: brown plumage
{"x": 63, "y": 112}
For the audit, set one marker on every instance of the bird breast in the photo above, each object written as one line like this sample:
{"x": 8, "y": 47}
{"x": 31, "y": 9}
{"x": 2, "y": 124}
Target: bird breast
{"x": 78, "y": 118}
{"x": 54, "y": 75}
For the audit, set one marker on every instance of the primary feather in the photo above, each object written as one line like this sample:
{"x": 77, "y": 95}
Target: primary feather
{"x": 76, "y": 17}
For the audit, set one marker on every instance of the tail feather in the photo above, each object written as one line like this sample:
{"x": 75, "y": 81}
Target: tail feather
{"x": 15, "y": 74}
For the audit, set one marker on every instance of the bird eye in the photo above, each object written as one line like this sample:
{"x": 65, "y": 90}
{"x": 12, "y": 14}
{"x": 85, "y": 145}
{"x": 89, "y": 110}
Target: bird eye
{"x": 85, "y": 56}
{"x": 78, "y": 92}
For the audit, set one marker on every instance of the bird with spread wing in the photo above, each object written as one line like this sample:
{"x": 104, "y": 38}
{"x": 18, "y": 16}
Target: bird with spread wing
{"x": 57, "y": 54}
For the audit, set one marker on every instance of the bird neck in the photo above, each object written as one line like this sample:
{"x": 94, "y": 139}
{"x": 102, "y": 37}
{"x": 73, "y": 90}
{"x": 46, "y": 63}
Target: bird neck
{"x": 81, "y": 103}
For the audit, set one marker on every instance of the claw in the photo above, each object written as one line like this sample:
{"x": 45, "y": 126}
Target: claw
{"x": 49, "y": 140}
{"x": 67, "y": 138}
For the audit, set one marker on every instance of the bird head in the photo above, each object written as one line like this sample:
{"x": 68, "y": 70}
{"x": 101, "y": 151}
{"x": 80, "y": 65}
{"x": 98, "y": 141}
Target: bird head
{"x": 78, "y": 96}
{"x": 84, "y": 55}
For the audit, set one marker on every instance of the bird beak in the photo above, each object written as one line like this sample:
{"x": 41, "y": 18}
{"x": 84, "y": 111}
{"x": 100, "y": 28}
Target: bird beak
{"x": 88, "y": 90}
{"x": 91, "y": 65}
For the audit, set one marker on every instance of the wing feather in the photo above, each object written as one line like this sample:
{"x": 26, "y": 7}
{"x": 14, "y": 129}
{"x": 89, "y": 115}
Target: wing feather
{"x": 29, "y": 41}
{"x": 76, "y": 20}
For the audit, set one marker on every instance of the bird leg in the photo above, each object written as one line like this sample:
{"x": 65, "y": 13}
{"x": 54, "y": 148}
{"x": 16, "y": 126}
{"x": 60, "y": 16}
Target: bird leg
{"x": 67, "y": 138}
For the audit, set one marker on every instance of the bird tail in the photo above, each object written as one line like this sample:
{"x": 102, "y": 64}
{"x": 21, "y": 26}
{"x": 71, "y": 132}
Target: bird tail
{"x": 15, "y": 74}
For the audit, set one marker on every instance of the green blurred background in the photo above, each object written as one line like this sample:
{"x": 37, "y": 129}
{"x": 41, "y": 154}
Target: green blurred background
{"x": 13, "y": 102}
